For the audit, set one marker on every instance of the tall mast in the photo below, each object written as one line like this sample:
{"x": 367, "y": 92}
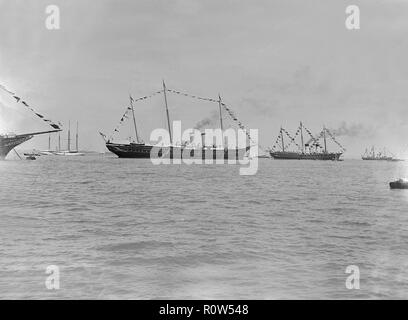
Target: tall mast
{"x": 49, "y": 142}
{"x": 167, "y": 112}
{"x": 76, "y": 137}
{"x": 69, "y": 135}
{"x": 59, "y": 141}
{"x": 219, "y": 105}
{"x": 324, "y": 137}
{"x": 134, "y": 119}
{"x": 221, "y": 124}
{"x": 301, "y": 136}
{"x": 283, "y": 145}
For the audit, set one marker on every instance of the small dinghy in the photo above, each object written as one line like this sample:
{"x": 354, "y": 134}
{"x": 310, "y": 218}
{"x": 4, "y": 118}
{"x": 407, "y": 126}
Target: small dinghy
{"x": 399, "y": 184}
{"x": 31, "y": 157}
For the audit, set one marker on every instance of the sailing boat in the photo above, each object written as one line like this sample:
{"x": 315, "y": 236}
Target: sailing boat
{"x": 139, "y": 149}
{"x": 311, "y": 150}
{"x": 48, "y": 151}
{"x": 70, "y": 152}
{"x": 11, "y": 140}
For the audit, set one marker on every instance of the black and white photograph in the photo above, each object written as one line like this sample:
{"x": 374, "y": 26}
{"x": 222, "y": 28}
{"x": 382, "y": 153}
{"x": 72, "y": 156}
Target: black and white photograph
{"x": 203, "y": 150}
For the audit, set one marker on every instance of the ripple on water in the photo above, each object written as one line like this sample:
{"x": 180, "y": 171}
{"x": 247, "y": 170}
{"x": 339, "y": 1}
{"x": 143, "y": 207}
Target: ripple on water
{"x": 143, "y": 231}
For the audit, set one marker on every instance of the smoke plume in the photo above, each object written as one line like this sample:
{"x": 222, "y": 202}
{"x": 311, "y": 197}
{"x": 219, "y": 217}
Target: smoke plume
{"x": 212, "y": 120}
{"x": 353, "y": 130}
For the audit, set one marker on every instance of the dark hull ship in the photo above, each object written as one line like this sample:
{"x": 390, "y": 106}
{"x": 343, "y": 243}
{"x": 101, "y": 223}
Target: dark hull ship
{"x": 306, "y": 156}
{"x": 140, "y": 150}
{"x": 311, "y": 150}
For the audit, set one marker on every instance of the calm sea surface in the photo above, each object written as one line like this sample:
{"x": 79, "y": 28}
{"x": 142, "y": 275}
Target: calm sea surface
{"x": 124, "y": 228}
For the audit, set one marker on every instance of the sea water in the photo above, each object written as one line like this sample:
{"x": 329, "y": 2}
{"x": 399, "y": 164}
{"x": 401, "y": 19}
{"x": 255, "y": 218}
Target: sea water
{"x": 128, "y": 229}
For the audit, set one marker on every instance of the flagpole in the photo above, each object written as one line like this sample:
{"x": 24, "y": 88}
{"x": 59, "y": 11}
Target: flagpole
{"x": 221, "y": 124}
{"x": 69, "y": 135}
{"x": 283, "y": 145}
{"x": 301, "y": 137}
{"x": 134, "y": 119}
{"x": 167, "y": 112}
{"x": 76, "y": 138}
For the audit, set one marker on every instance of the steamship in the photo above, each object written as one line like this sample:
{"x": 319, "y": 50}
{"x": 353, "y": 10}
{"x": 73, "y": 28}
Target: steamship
{"x": 379, "y": 156}
{"x": 311, "y": 150}
{"x": 138, "y": 149}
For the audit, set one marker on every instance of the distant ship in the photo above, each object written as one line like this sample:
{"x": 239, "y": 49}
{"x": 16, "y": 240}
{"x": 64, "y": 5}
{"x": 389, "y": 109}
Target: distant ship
{"x": 371, "y": 154}
{"x": 311, "y": 150}
{"x": 69, "y": 152}
{"x": 140, "y": 149}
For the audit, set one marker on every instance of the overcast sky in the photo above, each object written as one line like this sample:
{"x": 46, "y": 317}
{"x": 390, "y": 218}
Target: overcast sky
{"x": 274, "y": 61}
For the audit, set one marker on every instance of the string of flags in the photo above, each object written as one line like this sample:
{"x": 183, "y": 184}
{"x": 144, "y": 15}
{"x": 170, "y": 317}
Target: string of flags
{"x": 129, "y": 108}
{"x": 5, "y": 89}
{"x": 227, "y": 108}
{"x": 277, "y": 142}
{"x": 335, "y": 141}
{"x": 20, "y": 100}
{"x": 191, "y": 95}
{"x": 240, "y": 125}
{"x": 315, "y": 140}
{"x": 292, "y": 139}
{"x": 122, "y": 119}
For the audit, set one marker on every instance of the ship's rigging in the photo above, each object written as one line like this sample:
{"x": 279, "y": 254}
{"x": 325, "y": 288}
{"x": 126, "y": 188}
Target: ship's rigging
{"x": 313, "y": 148}
{"x": 9, "y": 141}
{"x": 139, "y": 149}
{"x": 312, "y": 145}
{"x": 222, "y": 106}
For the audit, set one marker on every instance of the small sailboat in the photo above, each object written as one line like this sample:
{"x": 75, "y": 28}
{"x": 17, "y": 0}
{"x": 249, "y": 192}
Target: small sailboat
{"x": 48, "y": 151}
{"x": 31, "y": 157}
{"x": 32, "y": 154}
{"x": 70, "y": 152}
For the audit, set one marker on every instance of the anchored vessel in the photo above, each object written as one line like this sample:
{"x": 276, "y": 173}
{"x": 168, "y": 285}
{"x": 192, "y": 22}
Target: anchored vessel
{"x": 399, "y": 184}
{"x": 139, "y": 149}
{"x": 378, "y": 156}
{"x": 9, "y": 141}
{"x": 69, "y": 152}
{"x": 311, "y": 150}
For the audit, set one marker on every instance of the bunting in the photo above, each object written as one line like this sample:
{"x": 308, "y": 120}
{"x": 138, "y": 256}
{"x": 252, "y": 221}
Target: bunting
{"x": 177, "y": 92}
{"x": 19, "y": 100}
{"x": 129, "y": 108}
{"x": 292, "y": 139}
{"x": 278, "y": 139}
{"x": 335, "y": 141}
{"x": 227, "y": 108}
{"x": 5, "y": 89}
